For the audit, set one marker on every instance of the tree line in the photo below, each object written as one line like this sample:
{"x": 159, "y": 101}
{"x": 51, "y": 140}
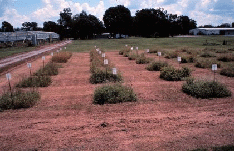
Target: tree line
{"x": 116, "y": 20}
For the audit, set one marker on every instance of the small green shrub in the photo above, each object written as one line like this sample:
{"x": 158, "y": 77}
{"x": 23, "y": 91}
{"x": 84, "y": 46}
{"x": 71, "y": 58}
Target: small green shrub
{"x": 171, "y": 54}
{"x": 206, "y": 63}
{"x": 125, "y": 51}
{"x": 229, "y": 72}
{"x": 126, "y": 54}
{"x": 207, "y": 54}
{"x": 224, "y": 148}
{"x": 35, "y": 81}
{"x": 187, "y": 59}
{"x": 121, "y": 52}
{"x": 205, "y": 89}
{"x": 142, "y": 59}
{"x": 112, "y": 94}
{"x": 50, "y": 69}
{"x": 100, "y": 76}
{"x": 153, "y": 50}
{"x": 18, "y": 100}
{"x": 156, "y": 66}
{"x": 61, "y": 57}
{"x": 226, "y": 58}
{"x": 132, "y": 56}
{"x": 172, "y": 74}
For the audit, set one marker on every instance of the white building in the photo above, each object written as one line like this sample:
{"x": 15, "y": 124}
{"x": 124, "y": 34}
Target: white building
{"x": 212, "y": 31}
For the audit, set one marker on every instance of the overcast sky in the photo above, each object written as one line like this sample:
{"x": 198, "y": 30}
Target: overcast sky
{"x": 205, "y": 12}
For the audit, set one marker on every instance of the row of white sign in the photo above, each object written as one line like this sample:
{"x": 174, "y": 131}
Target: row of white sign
{"x": 114, "y": 70}
{"x": 29, "y": 65}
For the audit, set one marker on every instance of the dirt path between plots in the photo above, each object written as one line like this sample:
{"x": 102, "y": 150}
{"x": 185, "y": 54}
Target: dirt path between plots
{"x": 163, "y": 119}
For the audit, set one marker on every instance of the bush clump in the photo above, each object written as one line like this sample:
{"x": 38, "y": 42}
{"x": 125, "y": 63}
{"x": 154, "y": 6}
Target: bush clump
{"x": 35, "y": 81}
{"x": 125, "y": 50}
{"x": 156, "y": 66}
{"x": 132, "y": 56}
{"x": 18, "y": 100}
{"x": 142, "y": 59}
{"x": 112, "y": 94}
{"x": 226, "y": 58}
{"x": 207, "y": 54}
{"x": 171, "y": 54}
{"x": 172, "y": 74}
{"x": 153, "y": 50}
{"x": 205, "y": 89}
{"x": 188, "y": 59}
{"x": 61, "y": 57}
{"x": 229, "y": 72}
{"x": 50, "y": 69}
{"x": 100, "y": 76}
{"x": 206, "y": 63}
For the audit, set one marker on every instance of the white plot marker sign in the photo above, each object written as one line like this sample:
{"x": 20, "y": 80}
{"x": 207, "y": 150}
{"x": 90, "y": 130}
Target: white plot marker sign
{"x": 179, "y": 59}
{"x": 159, "y": 54}
{"x": 103, "y": 55}
{"x": 131, "y": 48}
{"x": 65, "y": 47}
{"x": 214, "y": 67}
{"x": 57, "y": 50}
{"x": 43, "y": 57}
{"x": 136, "y": 48}
{"x": 114, "y": 71}
{"x": 100, "y": 52}
{"x": 126, "y": 45}
{"x": 106, "y": 62}
{"x": 52, "y": 54}
{"x": 60, "y": 48}
{"x": 147, "y": 50}
{"x": 8, "y": 76}
{"x": 29, "y": 65}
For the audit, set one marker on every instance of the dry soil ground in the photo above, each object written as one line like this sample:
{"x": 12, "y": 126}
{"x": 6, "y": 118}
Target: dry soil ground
{"x": 164, "y": 118}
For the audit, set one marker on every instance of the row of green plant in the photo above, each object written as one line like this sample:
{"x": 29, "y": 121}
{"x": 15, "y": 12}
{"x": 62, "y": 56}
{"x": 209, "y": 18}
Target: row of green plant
{"x": 99, "y": 71}
{"x": 16, "y": 98}
{"x": 133, "y": 55}
{"x": 110, "y": 93}
{"x": 42, "y": 78}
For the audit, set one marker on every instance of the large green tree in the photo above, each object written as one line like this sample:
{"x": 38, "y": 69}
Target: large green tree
{"x": 30, "y": 26}
{"x": 50, "y": 26}
{"x": 7, "y": 27}
{"x": 86, "y": 26}
{"x": 118, "y": 20}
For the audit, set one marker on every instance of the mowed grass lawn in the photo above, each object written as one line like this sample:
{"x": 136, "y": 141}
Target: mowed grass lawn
{"x": 151, "y": 43}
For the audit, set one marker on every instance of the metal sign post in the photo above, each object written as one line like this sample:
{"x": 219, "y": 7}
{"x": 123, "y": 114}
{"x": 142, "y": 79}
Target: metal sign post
{"x": 214, "y": 68}
{"x": 159, "y": 55}
{"x": 29, "y": 65}
{"x": 8, "y": 76}
{"x": 43, "y": 60}
{"x": 179, "y": 60}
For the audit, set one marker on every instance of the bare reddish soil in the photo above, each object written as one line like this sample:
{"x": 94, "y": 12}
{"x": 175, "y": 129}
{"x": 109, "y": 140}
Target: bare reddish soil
{"x": 164, "y": 118}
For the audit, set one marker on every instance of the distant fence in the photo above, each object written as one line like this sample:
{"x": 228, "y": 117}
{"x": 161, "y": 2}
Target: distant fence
{"x": 33, "y": 36}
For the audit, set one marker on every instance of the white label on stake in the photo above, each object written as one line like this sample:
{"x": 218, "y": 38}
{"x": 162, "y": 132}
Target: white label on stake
{"x": 43, "y": 57}
{"x": 60, "y": 48}
{"x": 52, "y": 54}
{"x": 114, "y": 71}
{"x": 8, "y": 76}
{"x": 100, "y": 52}
{"x": 214, "y": 67}
{"x": 57, "y": 50}
{"x": 95, "y": 46}
{"x": 147, "y": 50}
{"x": 136, "y": 48}
{"x": 131, "y": 48}
{"x": 126, "y": 45}
{"x": 159, "y": 53}
{"x": 106, "y": 61}
{"x": 103, "y": 55}
{"x": 29, "y": 65}
{"x": 179, "y": 59}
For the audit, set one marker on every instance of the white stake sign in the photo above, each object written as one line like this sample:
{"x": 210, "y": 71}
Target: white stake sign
{"x": 114, "y": 71}
{"x": 8, "y": 76}
{"x": 103, "y": 55}
{"x": 214, "y": 67}
{"x": 105, "y": 61}
{"x": 159, "y": 53}
{"x": 29, "y": 65}
{"x": 43, "y": 57}
{"x": 147, "y": 50}
{"x": 179, "y": 59}
{"x": 52, "y": 54}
